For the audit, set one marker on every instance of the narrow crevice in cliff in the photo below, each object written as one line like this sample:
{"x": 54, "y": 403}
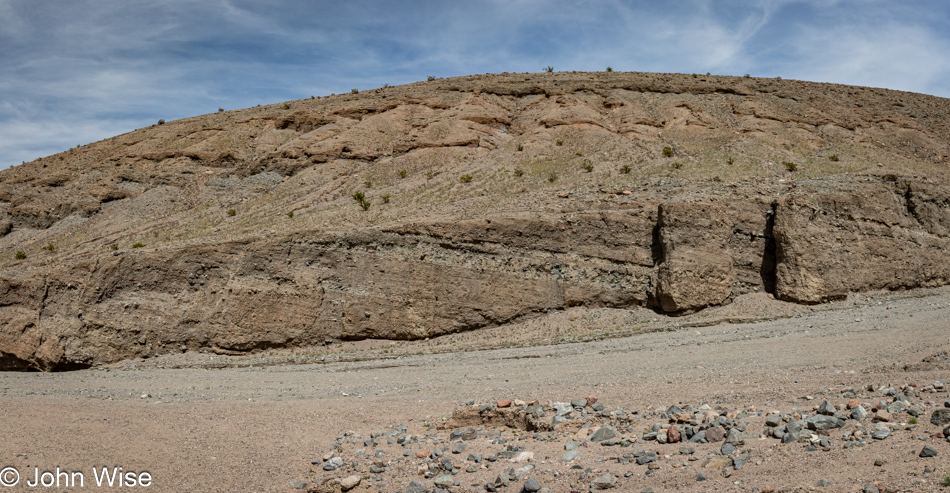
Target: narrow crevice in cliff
{"x": 769, "y": 255}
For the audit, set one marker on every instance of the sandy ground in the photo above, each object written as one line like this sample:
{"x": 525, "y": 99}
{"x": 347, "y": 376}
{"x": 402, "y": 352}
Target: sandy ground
{"x": 257, "y": 428}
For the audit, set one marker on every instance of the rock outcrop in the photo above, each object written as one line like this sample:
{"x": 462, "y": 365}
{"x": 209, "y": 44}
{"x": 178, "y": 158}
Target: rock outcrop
{"x": 490, "y": 199}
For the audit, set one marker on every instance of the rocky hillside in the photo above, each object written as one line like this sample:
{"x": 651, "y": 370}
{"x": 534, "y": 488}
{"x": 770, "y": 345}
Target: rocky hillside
{"x": 485, "y": 199}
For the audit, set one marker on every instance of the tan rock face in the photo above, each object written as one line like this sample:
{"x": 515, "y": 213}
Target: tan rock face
{"x": 489, "y": 199}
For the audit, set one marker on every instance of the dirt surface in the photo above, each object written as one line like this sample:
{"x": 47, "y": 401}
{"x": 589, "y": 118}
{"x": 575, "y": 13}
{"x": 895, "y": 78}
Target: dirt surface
{"x": 219, "y": 423}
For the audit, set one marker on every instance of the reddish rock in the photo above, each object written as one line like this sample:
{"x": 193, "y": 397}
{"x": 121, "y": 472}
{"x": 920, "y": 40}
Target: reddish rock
{"x": 853, "y": 403}
{"x": 504, "y": 403}
{"x": 673, "y": 434}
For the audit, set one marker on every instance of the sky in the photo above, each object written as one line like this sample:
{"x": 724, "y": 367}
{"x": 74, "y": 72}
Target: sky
{"x": 78, "y": 71}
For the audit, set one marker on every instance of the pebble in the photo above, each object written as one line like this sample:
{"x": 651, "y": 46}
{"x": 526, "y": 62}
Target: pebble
{"x": 532, "y": 485}
{"x": 928, "y": 451}
{"x": 824, "y": 482}
{"x": 350, "y": 482}
{"x": 603, "y": 482}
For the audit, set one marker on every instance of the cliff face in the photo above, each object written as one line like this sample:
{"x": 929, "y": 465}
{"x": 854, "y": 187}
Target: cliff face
{"x": 491, "y": 198}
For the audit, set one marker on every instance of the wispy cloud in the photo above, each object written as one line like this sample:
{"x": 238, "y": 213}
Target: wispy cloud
{"x": 78, "y": 71}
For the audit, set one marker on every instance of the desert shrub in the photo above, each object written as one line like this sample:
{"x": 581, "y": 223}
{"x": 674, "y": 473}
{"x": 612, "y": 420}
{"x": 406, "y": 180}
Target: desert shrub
{"x": 403, "y": 173}
{"x": 668, "y": 151}
{"x": 114, "y": 246}
{"x": 161, "y": 121}
{"x": 552, "y": 177}
{"x": 354, "y": 91}
{"x": 368, "y": 184}
{"x": 549, "y": 69}
{"x": 466, "y": 178}
{"x": 430, "y": 78}
{"x": 790, "y": 166}
{"x": 50, "y": 247}
{"x": 677, "y": 165}
{"x": 290, "y": 214}
{"x": 519, "y": 172}
{"x": 625, "y": 169}
{"x": 559, "y": 142}
{"x": 232, "y": 212}
{"x": 610, "y": 69}
{"x": 386, "y": 198}
{"x": 912, "y": 421}
{"x": 588, "y": 166}
{"x": 834, "y": 157}
{"x": 138, "y": 245}
{"x": 520, "y": 147}
{"x": 20, "y": 255}
{"x": 730, "y": 161}
{"x": 946, "y": 480}
{"x": 360, "y": 199}
{"x": 286, "y": 106}
{"x": 220, "y": 110}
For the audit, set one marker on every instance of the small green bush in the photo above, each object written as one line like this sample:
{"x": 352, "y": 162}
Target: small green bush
{"x": 549, "y": 69}
{"x": 286, "y": 106}
{"x": 20, "y": 255}
{"x": 625, "y": 169}
{"x": 360, "y": 198}
{"x": 466, "y": 178}
{"x": 791, "y": 167}
{"x": 912, "y": 421}
{"x": 232, "y": 212}
{"x": 430, "y": 78}
{"x": 161, "y": 121}
{"x": 114, "y": 246}
{"x": 50, "y": 247}
{"x": 946, "y": 480}
{"x": 386, "y": 198}
{"x": 730, "y": 161}
{"x": 138, "y": 245}
{"x": 520, "y": 147}
{"x": 368, "y": 184}
{"x": 610, "y": 69}
{"x": 354, "y": 91}
{"x": 552, "y": 177}
{"x": 834, "y": 157}
{"x": 519, "y": 172}
{"x": 403, "y": 173}
{"x": 559, "y": 142}
{"x": 677, "y": 165}
{"x": 220, "y": 110}
{"x": 588, "y": 166}
{"x": 290, "y": 214}
{"x": 668, "y": 151}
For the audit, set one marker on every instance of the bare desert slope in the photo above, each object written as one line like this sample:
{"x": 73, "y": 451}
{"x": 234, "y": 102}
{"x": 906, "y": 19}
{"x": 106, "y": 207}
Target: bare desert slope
{"x": 488, "y": 200}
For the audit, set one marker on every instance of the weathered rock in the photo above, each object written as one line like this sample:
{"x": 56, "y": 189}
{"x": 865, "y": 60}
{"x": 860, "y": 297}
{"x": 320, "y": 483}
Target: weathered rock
{"x": 715, "y": 434}
{"x": 928, "y": 451}
{"x": 940, "y": 417}
{"x": 531, "y": 486}
{"x": 604, "y": 433}
{"x": 822, "y": 422}
{"x": 603, "y": 482}
{"x": 350, "y": 482}
{"x": 673, "y": 434}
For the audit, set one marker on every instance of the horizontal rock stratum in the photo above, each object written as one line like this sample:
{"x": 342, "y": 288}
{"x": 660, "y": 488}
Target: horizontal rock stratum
{"x": 487, "y": 199}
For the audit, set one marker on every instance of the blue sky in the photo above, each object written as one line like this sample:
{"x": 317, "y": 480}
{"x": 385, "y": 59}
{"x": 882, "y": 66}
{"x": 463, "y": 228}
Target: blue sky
{"x": 77, "y": 71}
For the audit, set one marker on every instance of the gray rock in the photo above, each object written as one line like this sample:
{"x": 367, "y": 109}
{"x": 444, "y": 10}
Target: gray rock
{"x": 734, "y": 436}
{"x": 940, "y": 417}
{"x": 562, "y": 408}
{"x": 646, "y": 489}
{"x": 333, "y": 464}
{"x": 795, "y": 426}
{"x": 581, "y": 403}
{"x": 870, "y": 488}
{"x": 727, "y": 448}
{"x": 881, "y": 433}
{"x": 858, "y": 413}
{"x": 824, "y": 482}
{"x": 700, "y": 477}
{"x": 532, "y": 486}
{"x": 604, "y": 433}
{"x": 571, "y": 445}
{"x": 790, "y": 437}
{"x": 603, "y": 482}
{"x": 571, "y": 455}
{"x": 444, "y": 481}
{"x": 298, "y": 485}
{"x": 646, "y": 458}
{"x": 458, "y": 448}
{"x": 773, "y": 420}
{"x": 826, "y": 408}
{"x": 598, "y": 407}
{"x": 928, "y": 451}
{"x": 699, "y": 437}
{"x": 821, "y": 422}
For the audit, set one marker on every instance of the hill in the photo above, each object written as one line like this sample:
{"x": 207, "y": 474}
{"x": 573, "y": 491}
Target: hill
{"x": 486, "y": 200}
